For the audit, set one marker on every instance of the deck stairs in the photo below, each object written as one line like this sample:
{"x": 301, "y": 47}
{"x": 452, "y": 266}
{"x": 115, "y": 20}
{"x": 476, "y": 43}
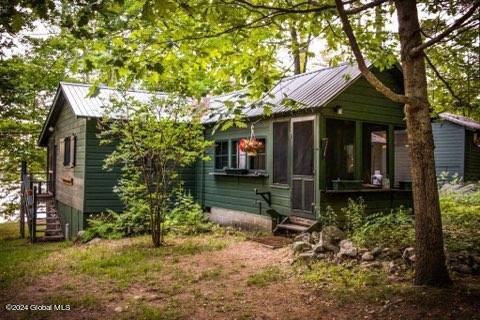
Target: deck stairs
{"x": 295, "y": 224}
{"x": 39, "y": 211}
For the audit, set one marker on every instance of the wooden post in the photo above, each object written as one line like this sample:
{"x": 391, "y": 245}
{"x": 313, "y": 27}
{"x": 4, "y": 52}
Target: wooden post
{"x": 34, "y": 215}
{"x": 23, "y": 171}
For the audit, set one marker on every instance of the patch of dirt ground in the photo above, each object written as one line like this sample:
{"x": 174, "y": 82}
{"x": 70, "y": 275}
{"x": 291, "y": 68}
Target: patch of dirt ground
{"x": 244, "y": 280}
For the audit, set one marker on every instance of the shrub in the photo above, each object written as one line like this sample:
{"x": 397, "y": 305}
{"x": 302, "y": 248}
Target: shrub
{"x": 353, "y": 214}
{"x": 393, "y": 229}
{"x": 329, "y": 218}
{"x": 461, "y": 221}
{"x": 186, "y": 216}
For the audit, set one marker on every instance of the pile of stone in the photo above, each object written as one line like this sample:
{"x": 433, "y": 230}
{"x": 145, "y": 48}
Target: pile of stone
{"x": 332, "y": 245}
{"x": 459, "y": 188}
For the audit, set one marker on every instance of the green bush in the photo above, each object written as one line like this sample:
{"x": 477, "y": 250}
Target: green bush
{"x": 393, "y": 229}
{"x": 461, "y": 221}
{"x": 186, "y": 216}
{"x": 353, "y": 214}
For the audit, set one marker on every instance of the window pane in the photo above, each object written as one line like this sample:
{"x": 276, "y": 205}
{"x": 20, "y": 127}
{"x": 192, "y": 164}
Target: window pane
{"x": 66, "y": 151}
{"x": 340, "y": 160}
{"x": 239, "y": 157}
{"x": 303, "y": 148}
{"x": 280, "y": 152}
{"x": 402, "y": 159}
{"x": 375, "y": 153}
{"x": 258, "y": 162}
{"x": 221, "y": 154}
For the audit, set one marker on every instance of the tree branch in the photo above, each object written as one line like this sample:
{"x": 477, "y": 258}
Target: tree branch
{"x": 457, "y": 24}
{"x": 445, "y": 82}
{"x": 371, "y": 78}
{"x": 365, "y": 6}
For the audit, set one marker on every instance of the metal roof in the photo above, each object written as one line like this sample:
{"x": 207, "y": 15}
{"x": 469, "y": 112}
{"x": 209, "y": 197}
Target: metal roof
{"x": 460, "y": 120}
{"x": 308, "y": 90}
{"x": 85, "y": 106}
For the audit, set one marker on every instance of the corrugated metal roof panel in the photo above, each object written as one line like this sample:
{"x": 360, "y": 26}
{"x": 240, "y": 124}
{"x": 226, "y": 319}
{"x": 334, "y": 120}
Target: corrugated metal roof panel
{"x": 85, "y": 106}
{"x": 460, "y": 120}
{"x": 309, "y": 90}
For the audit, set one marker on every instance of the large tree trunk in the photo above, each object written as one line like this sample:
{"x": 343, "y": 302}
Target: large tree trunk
{"x": 430, "y": 268}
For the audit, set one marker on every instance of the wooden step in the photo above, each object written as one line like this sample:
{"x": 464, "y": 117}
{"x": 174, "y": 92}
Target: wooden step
{"x": 301, "y": 221}
{"x": 293, "y": 227}
{"x": 50, "y": 238}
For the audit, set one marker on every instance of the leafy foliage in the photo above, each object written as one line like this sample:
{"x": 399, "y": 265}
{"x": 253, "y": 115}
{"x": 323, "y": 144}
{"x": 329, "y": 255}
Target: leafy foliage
{"x": 186, "y": 216}
{"x": 354, "y": 214}
{"x": 392, "y": 229}
{"x": 461, "y": 221}
{"x": 153, "y": 142}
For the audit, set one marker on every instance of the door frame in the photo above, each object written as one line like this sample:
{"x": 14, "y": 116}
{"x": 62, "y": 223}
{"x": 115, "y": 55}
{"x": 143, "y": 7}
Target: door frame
{"x": 296, "y": 212}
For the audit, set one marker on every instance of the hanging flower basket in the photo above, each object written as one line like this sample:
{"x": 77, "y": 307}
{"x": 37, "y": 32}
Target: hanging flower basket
{"x": 251, "y": 146}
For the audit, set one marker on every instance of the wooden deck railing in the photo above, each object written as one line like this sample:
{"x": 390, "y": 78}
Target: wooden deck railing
{"x": 31, "y": 190}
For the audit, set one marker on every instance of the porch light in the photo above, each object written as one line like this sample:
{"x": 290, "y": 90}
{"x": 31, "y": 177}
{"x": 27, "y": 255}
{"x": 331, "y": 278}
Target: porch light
{"x": 51, "y": 129}
{"x": 338, "y": 110}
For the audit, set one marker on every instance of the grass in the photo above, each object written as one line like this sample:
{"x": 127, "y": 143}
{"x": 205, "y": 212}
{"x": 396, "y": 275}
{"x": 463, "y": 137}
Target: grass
{"x": 265, "y": 277}
{"x": 19, "y": 259}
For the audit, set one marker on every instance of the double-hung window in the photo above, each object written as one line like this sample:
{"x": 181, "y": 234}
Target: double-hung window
{"x": 69, "y": 151}
{"x": 221, "y": 155}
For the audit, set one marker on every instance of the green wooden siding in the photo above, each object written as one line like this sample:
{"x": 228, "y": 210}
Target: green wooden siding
{"x": 67, "y": 124}
{"x": 472, "y": 158}
{"x": 237, "y": 193}
{"x": 99, "y": 182}
{"x": 74, "y": 217}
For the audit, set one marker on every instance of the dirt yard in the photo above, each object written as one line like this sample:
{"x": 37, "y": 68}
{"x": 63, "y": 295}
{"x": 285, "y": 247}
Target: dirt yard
{"x": 208, "y": 277}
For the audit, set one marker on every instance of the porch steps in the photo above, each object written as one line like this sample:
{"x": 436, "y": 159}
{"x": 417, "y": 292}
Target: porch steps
{"x": 296, "y": 224}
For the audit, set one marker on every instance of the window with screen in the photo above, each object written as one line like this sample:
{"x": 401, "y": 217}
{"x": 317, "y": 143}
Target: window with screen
{"x": 402, "y": 159}
{"x": 258, "y": 162}
{"x": 303, "y": 148}
{"x": 340, "y": 153}
{"x": 69, "y": 151}
{"x": 280, "y": 152}
{"x": 66, "y": 151}
{"x": 221, "y": 154}
{"x": 238, "y": 157}
{"x": 375, "y": 151}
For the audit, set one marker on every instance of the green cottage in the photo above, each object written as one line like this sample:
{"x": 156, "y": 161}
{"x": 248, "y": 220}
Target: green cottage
{"x": 342, "y": 139}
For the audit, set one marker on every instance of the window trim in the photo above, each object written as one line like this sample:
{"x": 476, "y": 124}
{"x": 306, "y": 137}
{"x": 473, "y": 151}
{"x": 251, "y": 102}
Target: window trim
{"x": 215, "y": 154}
{"x": 70, "y": 155}
{"x": 230, "y": 147}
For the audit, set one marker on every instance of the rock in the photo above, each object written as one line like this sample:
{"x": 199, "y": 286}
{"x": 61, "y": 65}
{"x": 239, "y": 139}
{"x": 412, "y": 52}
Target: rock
{"x": 306, "y": 256}
{"x": 347, "y": 249}
{"x": 466, "y": 189}
{"x": 333, "y": 233}
{"x": 305, "y": 237}
{"x": 368, "y": 256}
{"x": 376, "y": 251}
{"x": 301, "y": 246}
{"x": 118, "y": 309}
{"x": 137, "y": 297}
{"x": 392, "y": 267}
{"x": 94, "y": 241}
{"x": 371, "y": 264}
{"x": 315, "y": 236}
{"x": 325, "y": 244}
{"x": 409, "y": 254}
{"x": 462, "y": 268}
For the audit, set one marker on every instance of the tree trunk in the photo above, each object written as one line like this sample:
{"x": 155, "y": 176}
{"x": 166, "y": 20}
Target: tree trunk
{"x": 430, "y": 268}
{"x": 297, "y": 67}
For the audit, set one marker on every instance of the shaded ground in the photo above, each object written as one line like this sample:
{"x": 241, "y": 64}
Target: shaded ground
{"x": 208, "y": 277}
